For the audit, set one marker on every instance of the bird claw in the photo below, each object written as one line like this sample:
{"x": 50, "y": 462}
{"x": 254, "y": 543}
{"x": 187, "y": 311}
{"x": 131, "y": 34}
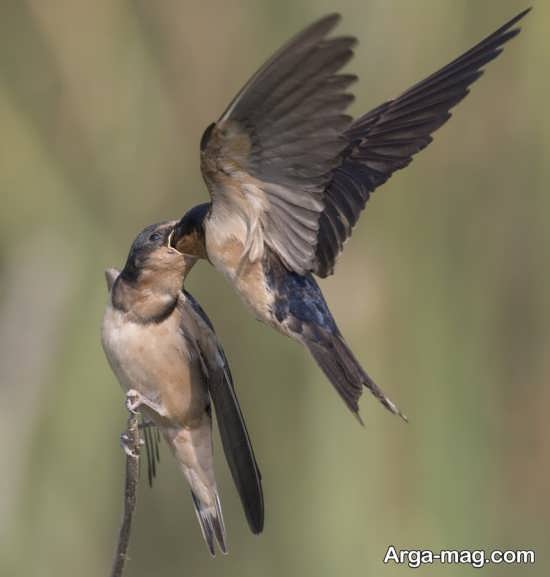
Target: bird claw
{"x": 134, "y": 400}
{"x": 128, "y": 446}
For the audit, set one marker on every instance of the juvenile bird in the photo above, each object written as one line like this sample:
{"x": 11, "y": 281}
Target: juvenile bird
{"x": 289, "y": 173}
{"x": 165, "y": 354}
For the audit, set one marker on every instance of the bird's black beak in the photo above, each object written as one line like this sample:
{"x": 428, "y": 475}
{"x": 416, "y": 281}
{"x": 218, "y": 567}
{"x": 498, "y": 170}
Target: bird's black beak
{"x": 174, "y": 236}
{"x": 187, "y": 235}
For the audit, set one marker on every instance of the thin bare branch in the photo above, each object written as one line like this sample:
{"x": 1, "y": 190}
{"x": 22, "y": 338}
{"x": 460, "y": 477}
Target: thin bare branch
{"x": 131, "y": 444}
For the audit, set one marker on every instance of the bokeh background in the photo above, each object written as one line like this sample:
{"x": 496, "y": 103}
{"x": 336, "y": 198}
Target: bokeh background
{"x": 443, "y": 293}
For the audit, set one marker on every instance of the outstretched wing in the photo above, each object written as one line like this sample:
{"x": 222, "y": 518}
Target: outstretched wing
{"x": 234, "y": 435}
{"x": 271, "y": 153}
{"x": 385, "y": 139}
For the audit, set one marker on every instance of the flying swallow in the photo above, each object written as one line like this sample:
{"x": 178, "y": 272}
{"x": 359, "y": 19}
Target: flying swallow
{"x": 165, "y": 354}
{"x": 289, "y": 174}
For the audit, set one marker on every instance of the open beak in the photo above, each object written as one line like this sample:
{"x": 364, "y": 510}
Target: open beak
{"x": 172, "y": 240}
{"x": 176, "y": 235}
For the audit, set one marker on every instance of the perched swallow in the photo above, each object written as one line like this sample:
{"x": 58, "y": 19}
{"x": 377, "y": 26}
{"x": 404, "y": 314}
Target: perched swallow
{"x": 289, "y": 173}
{"x": 165, "y": 354}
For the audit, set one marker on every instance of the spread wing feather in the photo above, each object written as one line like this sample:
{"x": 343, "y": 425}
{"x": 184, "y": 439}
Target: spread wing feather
{"x": 271, "y": 153}
{"x": 233, "y": 433}
{"x": 385, "y": 139}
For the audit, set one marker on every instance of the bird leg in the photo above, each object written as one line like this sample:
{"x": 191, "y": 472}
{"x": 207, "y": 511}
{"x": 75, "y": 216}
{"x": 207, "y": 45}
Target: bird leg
{"x": 135, "y": 400}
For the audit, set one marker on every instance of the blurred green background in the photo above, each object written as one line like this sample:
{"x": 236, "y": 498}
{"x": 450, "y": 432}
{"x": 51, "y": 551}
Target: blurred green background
{"x": 443, "y": 293}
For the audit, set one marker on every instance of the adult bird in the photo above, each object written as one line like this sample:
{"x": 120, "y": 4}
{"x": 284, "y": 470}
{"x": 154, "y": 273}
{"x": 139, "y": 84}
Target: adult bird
{"x": 165, "y": 354}
{"x": 289, "y": 173}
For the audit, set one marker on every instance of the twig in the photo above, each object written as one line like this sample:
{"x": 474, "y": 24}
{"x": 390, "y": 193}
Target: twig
{"x": 130, "y": 441}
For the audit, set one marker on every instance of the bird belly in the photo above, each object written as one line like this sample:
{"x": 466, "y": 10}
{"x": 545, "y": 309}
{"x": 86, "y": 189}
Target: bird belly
{"x": 154, "y": 360}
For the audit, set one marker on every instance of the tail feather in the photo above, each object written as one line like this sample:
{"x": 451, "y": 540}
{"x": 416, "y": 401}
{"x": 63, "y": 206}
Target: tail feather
{"x": 301, "y": 312}
{"x": 192, "y": 448}
{"x": 211, "y": 522}
{"x": 342, "y": 369}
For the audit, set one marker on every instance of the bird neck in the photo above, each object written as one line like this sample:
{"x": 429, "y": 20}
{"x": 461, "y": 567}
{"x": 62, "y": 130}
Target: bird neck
{"x": 146, "y": 300}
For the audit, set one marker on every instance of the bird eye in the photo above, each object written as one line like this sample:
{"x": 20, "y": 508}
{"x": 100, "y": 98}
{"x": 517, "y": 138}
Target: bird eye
{"x": 155, "y": 236}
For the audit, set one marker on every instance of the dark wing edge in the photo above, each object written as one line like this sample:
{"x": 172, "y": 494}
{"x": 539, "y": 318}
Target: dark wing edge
{"x": 238, "y": 447}
{"x": 282, "y": 136}
{"x": 236, "y": 442}
{"x": 385, "y": 140}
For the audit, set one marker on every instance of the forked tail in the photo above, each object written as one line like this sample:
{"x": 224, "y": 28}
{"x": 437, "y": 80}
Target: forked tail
{"x": 343, "y": 370}
{"x": 211, "y": 521}
{"x": 192, "y": 448}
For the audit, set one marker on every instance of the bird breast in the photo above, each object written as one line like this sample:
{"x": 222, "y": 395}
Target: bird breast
{"x": 226, "y": 246}
{"x": 154, "y": 359}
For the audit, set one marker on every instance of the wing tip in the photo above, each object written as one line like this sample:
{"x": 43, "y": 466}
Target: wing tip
{"x": 521, "y": 15}
{"x": 205, "y": 138}
{"x": 332, "y": 18}
{"x": 256, "y": 523}
{"x": 319, "y": 28}
{"x": 110, "y": 277}
{"x": 253, "y": 503}
{"x": 507, "y": 30}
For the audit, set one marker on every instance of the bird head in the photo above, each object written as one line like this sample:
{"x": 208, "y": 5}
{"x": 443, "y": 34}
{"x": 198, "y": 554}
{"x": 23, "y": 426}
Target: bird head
{"x": 153, "y": 257}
